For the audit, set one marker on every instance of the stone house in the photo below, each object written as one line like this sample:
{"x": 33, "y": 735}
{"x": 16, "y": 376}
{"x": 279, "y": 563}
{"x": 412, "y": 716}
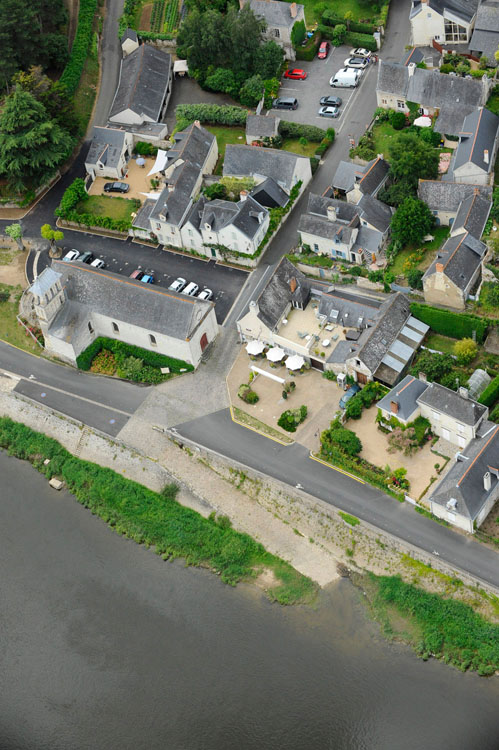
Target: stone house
{"x": 259, "y": 127}
{"x": 450, "y": 22}
{"x": 453, "y": 415}
{"x": 401, "y": 401}
{"x": 129, "y": 42}
{"x": 446, "y": 199}
{"x": 75, "y": 304}
{"x": 476, "y": 152}
{"x": 279, "y": 17}
{"x": 284, "y": 167}
{"x": 109, "y": 152}
{"x": 353, "y": 181}
{"x": 485, "y": 39}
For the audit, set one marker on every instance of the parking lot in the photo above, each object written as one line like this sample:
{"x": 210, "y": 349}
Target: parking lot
{"x": 316, "y": 85}
{"x": 165, "y": 266}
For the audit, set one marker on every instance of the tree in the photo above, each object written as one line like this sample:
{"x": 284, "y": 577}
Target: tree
{"x": 222, "y": 80}
{"x": 344, "y": 439}
{"x": 338, "y": 35}
{"x": 412, "y": 158}
{"x": 396, "y": 194}
{"x": 15, "y": 232}
{"x": 435, "y": 366}
{"x": 298, "y": 33}
{"x": 217, "y": 190}
{"x": 397, "y": 120}
{"x": 411, "y": 221}
{"x": 31, "y": 145}
{"x": 54, "y": 235}
{"x": 415, "y": 278}
{"x": 268, "y": 60}
{"x": 348, "y": 16}
{"x": 465, "y": 351}
{"x": 252, "y": 91}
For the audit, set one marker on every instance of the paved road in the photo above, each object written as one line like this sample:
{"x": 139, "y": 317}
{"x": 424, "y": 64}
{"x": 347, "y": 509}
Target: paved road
{"x": 292, "y": 465}
{"x": 100, "y": 402}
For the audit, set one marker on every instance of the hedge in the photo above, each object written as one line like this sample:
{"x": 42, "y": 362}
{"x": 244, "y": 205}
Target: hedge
{"x": 73, "y": 194}
{"x": 361, "y": 40}
{"x": 151, "y": 35}
{"x": 76, "y": 193}
{"x": 153, "y": 359}
{"x": 309, "y": 51}
{"x": 447, "y": 323}
{"x": 295, "y": 130}
{"x": 491, "y": 393}
{"x": 330, "y": 18}
{"x": 71, "y": 74}
{"x": 214, "y": 114}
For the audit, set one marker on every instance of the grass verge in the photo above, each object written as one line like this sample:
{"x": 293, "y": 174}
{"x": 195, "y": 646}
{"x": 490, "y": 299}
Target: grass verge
{"x": 105, "y": 205}
{"x": 434, "y": 625}
{"x": 352, "y": 520}
{"x": 157, "y": 519}
{"x": 84, "y": 97}
{"x": 249, "y": 421}
{"x": 10, "y": 329}
{"x": 442, "y": 344}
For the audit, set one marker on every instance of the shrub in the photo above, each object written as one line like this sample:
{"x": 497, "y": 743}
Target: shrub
{"x": 248, "y": 395}
{"x": 330, "y": 18}
{"x": 73, "y": 195}
{"x": 421, "y": 427}
{"x": 434, "y": 365}
{"x": 104, "y": 362}
{"x": 291, "y": 418}
{"x": 152, "y": 360}
{"x": 491, "y": 394}
{"x": 212, "y": 113}
{"x": 338, "y": 35}
{"x": 295, "y": 130}
{"x": 217, "y": 190}
{"x": 361, "y": 40}
{"x": 354, "y": 407}
{"x": 352, "y": 520}
{"x": 415, "y": 278}
{"x": 346, "y": 440}
{"x": 309, "y": 51}
{"x": 402, "y": 440}
{"x": 465, "y": 351}
{"x": 447, "y": 323}
{"x": 71, "y": 75}
{"x": 397, "y": 120}
{"x": 142, "y": 148}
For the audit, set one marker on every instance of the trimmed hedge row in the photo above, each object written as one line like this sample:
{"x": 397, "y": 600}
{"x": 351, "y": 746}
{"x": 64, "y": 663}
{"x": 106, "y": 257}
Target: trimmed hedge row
{"x": 295, "y": 130}
{"x": 447, "y": 323}
{"x": 491, "y": 393}
{"x": 361, "y": 40}
{"x": 72, "y": 72}
{"x": 153, "y": 359}
{"x": 214, "y": 114}
{"x": 310, "y": 50}
{"x": 330, "y": 18}
{"x": 151, "y": 35}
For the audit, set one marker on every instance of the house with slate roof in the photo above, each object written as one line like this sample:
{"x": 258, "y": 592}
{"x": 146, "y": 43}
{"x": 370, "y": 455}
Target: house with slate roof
{"x": 259, "y": 127}
{"x": 144, "y": 88}
{"x": 427, "y": 55}
{"x": 456, "y": 272}
{"x": 468, "y": 491}
{"x": 75, "y": 304}
{"x": 213, "y": 224}
{"x": 129, "y": 42}
{"x": 444, "y": 200}
{"x": 284, "y": 167}
{"x": 401, "y": 401}
{"x": 279, "y": 17}
{"x": 109, "y": 152}
{"x": 475, "y": 155}
{"x": 355, "y": 180}
{"x": 452, "y": 414}
{"x": 446, "y": 21}
{"x": 485, "y": 39}
{"x": 269, "y": 194}
{"x": 450, "y": 97}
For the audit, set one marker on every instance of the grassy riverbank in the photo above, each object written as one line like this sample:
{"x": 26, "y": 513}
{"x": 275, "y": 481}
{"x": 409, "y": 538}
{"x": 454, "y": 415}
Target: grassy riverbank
{"x": 433, "y": 625}
{"x": 157, "y": 519}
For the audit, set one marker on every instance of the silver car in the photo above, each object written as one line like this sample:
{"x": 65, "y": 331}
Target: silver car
{"x": 72, "y": 255}
{"x": 178, "y": 285}
{"x": 329, "y": 112}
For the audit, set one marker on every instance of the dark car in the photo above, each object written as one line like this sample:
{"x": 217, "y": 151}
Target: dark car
{"x": 323, "y": 51}
{"x": 116, "y": 187}
{"x": 348, "y": 395}
{"x": 86, "y": 257}
{"x": 331, "y": 101}
{"x": 285, "y": 102}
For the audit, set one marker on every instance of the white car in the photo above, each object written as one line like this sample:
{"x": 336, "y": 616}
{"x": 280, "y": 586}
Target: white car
{"x": 72, "y": 255}
{"x": 205, "y": 294}
{"x": 360, "y": 52}
{"x": 178, "y": 285}
{"x": 360, "y": 63}
{"x": 98, "y": 263}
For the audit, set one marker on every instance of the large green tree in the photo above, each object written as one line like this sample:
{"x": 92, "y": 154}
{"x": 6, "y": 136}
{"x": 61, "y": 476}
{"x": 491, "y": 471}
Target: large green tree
{"x": 268, "y": 60}
{"x": 411, "y": 158}
{"x": 411, "y": 221}
{"x": 31, "y": 145}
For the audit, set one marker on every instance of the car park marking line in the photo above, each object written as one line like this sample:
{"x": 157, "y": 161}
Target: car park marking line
{"x": 336, "y": 468}
{"x": 352, "y": 99}
{"x": 75, "y": 395}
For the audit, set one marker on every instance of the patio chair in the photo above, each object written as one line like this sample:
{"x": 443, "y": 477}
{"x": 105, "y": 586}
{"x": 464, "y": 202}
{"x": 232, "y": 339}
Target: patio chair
{"x": 302, "y": 335}
{"x": 335, "y": 337}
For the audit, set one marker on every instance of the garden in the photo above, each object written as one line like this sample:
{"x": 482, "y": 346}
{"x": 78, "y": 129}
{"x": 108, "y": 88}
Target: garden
{"x": 11, "y": 330}
{"x": 114, "y": 213}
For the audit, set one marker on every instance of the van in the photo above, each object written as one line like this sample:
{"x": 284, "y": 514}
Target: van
{"x": 287, "y": 102}
{"x": 345, "y": 78}
{"x": 191, "y": 289}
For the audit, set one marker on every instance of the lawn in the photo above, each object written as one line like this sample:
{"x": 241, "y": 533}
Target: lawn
{"x": 429, "y": 248}
{"x": 361, "y": 11}
{"x": 440, "y": 343}
{"x": 294, "y": 145}
{"x": 383, "y": 134}
{"x": 105, "y": 205}
{"x": 225, "y": 135}
{"x": 10, "y": 330}
{"x": 493, "y": 102}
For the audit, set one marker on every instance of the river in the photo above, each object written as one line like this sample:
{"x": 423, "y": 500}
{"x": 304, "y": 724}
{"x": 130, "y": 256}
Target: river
{"x": 104, "y": 645}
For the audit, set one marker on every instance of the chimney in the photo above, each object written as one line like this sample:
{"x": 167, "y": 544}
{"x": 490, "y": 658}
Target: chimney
{"x": 411, "y": 67}
{"x": 293, "y": 10}
{"x": 293, "y": 285}
{"x": 486, "y": 156}
{"x": 331, "y": 213}
{"x": 422, "y": 377}
{"x": 380, "y": 156}
{"x": 487, "y": 481}
{"x": 243, "y": 195}
{"x": 439, "y": 267}
{"x": 394, "y": 407}
{"x": 463, "y": 392}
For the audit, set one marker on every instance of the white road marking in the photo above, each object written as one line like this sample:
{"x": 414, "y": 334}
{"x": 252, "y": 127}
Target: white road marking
{"x": 81, "y": 398}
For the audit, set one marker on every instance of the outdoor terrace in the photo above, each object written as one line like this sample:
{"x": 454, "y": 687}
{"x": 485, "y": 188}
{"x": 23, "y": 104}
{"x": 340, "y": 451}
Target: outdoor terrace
{"x": 307, "y": 334}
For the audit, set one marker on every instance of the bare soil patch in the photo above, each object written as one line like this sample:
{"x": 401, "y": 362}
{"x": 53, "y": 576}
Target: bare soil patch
{"x": 12, "y": 263}
{"x": 145, "y": 17}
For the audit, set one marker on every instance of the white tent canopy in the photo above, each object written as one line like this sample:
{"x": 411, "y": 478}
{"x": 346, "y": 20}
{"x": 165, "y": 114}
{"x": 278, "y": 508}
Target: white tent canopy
{"x": 180, "y": 67}
{"x": 275, "y": 354}
{"x": 255, "y": 347}
{"x": 423, "y": 122}
{"x": 152, "y": 196}
{"x": 160, "y": 163}
{"x": 295, "y": 362}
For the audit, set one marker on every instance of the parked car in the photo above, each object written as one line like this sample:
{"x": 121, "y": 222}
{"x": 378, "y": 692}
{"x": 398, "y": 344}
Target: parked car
{"x": 148, "y": 278}
{"x": 348, "y": 395}
{"x": 86, "y": 257}
{"x": 297, "y": 74}
{"x": 98, "y": 263}
{"x": 329, "y": 112}
{"x": 286, "y": 102}
{"x": 72, "y": 255}
{"x": 346, "y": 78}
{"x": 205, "y": 294}
{"x": 116, "y": 187}
{"x": 323, "y": 50}
{"x": 137, "y": 274}
{"x": 360, "y": 63}
{"x": 360, "y": 52}
{"x": 331, "y": 101}
{"x": 178, "y": 285}
{"x": 191, "y": 289}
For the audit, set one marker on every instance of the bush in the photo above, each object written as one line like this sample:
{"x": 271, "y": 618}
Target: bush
{"x": 73, "y": 195}
{"x": 421, "y": 427}
{"x": 397, "y": 120}
{"x": 295, "y": 130}
{"x": 354, "y": 408}
{"x": 346, "y": 440}
{"x": 309, "y": 51}
{"x": 447, "y": 323}
{"x": 214, "y": 114}
{"x": 330, "y": 18}
{"x": 291, "y": 418}
{"x": 71, "y": 75}
{"x": 434, "y": 365}
{"x": 142, "y": 148}
{"x": 491, "y": 394}
{"x": 361, "y": 40}
{"x": 217, "y": 190}
{"x": 465, "y": 351}
{"x": 402, "y": 440}
{"x": 248, "y": 395}
{"x": 338, "y": 35}
{"x": 104, "y": 362}
{"x": 415, "y": 279}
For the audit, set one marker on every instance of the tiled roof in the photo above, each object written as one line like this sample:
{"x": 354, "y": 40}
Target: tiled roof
{"x": 394, "y": 313}
{"x": 375, "y": 212}
{"x": 262, "y": 126}
{"x": 261, "y": 162}
{"x": 44, "y": 281}
{"x": 269, "y": 194}
{"x": 276, "y": 13}
{"x": 323, "y": 227}
{"x": 472, "y": 215}
{"x": 392, "y": 79}
{"x": 405, "y": 395}
{"x": 374, "y": 176}
{"x": 464, "y": 9}
{"x": 106, "y": 146}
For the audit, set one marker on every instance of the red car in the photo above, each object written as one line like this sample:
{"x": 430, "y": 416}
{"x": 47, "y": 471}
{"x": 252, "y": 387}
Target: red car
{"x": 296, "y": 74}
{"x": 323, "y": 51}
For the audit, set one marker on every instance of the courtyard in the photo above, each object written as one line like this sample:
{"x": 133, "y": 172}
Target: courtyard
{"x": 136, "y": 177}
